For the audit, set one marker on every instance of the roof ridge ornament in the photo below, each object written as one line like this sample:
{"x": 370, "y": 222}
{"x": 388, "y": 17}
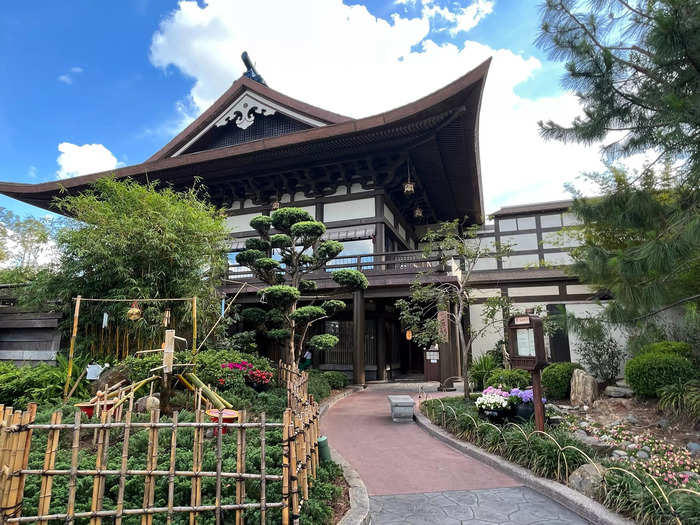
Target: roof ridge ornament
{"x": 251, "y": 72}
{"x": 244, "y": 110}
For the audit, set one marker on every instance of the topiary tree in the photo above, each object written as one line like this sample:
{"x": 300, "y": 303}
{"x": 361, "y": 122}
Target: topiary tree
{"x": 282, "y": 259}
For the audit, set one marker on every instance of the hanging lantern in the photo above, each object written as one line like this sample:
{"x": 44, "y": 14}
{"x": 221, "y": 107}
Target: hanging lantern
{"x": 408, "y": 187}
{"x": 418, "y": 212}
{"x": 134, "y": 313}
{"x": 409, "y": 335}
{"x": 276, "y": 205}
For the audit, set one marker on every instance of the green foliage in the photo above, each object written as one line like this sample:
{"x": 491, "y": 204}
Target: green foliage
{"x": 322, "y": 342}
{"x": 261, "y": 224}
{"x": 22, "y": 242}
{"x": 481, "y": 368}
{"x": 306, "y": 286}
{"x": 556, "y": 379}
{"x": 306, "y": 314}
{"x": 265, "y": 264}
{"x": 336, "y": 380}
{"x": 602, "y": 357}
{"x": 256, "y": 243}
{"x": 513, "y": 378}
{"x": 318, "y": 385}
{"x": 280, "y": 296}
{"x": 284, "y": 218}
{"x": 248, "y": 257}
{"x": 274, "y": 318}
{"x": 649, "y": 372}
{"x": 278, "y": 334}
{"x": 253, "y": 317}
{"x": 333, "y": 306}
{"x": 133, "y": 240}
{"x": 669, "y": 347}
{"x": 350, "y": 279}
{"x": 329, "y": 249}
{"x": 280, "y": 240}
{"x": 681, "y": 400}
{"x": 308, "y": 231}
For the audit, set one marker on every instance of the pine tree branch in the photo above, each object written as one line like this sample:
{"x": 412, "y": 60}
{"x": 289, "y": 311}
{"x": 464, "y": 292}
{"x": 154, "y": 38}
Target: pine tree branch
{"x": 668, "y": 307}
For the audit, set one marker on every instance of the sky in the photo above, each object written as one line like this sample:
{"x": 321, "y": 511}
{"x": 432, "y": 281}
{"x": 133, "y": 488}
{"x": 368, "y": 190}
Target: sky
{"x": 90, "y": 86}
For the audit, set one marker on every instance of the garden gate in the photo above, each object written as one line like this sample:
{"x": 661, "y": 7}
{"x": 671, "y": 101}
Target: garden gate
{"x": 21, "y": 438}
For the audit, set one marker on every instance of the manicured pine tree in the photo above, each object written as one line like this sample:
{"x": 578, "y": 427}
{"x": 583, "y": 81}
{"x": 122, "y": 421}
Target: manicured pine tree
{"x": 297, "y": 240}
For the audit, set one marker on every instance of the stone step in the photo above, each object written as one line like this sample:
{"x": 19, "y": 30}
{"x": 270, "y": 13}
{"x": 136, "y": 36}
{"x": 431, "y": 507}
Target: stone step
{"x": 617, "y": 391}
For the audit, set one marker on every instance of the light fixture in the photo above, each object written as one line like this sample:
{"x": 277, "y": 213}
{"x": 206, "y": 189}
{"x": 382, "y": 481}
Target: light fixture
{"x": 418, "y": 212}
{"x": 275, "y": 205}
{"x": 408, "y": 186}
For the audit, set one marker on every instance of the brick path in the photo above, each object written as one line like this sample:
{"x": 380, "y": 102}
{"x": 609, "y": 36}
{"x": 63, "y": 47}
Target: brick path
{"x": 415, "y": 479}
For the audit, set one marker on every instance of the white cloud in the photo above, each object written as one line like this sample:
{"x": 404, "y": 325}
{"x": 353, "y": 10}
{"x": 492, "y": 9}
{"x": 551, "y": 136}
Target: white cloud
{"x": 75, "y": 160}
{"x": 76, "y": 69}
{"x": 66, "y": 79}
{"x": 32, "y": 172}
{"x": 344, "y": 59}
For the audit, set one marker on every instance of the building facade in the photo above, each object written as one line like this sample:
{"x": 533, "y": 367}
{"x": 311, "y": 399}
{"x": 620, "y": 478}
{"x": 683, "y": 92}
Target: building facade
{"x": 378, "y": 184}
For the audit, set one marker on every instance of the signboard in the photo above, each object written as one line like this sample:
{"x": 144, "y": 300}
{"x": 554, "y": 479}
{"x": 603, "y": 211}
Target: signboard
{"x": 443, "y": 324}
{"x": 525, "y": 341}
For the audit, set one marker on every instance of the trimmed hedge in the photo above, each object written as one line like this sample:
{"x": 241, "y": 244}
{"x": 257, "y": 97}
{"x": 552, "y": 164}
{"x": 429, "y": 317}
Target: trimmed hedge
{"x": 669, "y": 347}
{"x": 336, "y": 380}
{"x": 513, "y": 378}
{"x": 650, "y": 371}
{"x": 556, "y": 379}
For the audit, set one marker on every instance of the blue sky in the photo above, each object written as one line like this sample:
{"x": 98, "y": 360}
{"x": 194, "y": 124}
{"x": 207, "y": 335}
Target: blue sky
{"x": 126, "y": 76}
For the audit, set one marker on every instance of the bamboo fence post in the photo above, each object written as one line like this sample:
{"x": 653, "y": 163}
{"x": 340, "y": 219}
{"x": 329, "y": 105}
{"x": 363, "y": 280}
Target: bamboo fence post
{"x": 240, "y": 466}
{"x": 194, "y": 325}
{"x": 171, "y": 476}
{"x": 98, "y": 480}
{"x": 294, "y": 470}
{"x": 71, "y": 351}
{"x": 285, "y": 467}
{"x": 219, "y": 437}
{"x": 263, "y": 481}
{"x": 75, "y": 449}
{"x": 151, "y": 465}
{"x": 301, "y": 456}
{"x": 196, "y": 462}
{"x": 308, "y": 473}
{"x": 31, "y": 409}
{"x": 49, "y": 463}
{"x": 123, "y": 467}
{"x": 10, "y": 493}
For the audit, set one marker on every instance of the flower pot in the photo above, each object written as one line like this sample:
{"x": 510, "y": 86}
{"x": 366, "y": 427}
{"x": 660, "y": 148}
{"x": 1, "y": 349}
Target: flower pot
{"x": 524, "y": 412}
{"x": 496, "y": 416}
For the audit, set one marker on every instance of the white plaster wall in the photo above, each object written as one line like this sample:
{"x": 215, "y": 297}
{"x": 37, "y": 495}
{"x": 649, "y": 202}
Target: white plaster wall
{"x": 492, "y": 335}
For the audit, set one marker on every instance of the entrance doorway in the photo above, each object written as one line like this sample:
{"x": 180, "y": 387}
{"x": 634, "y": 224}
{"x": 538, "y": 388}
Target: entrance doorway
{"x": 412, "y": 361}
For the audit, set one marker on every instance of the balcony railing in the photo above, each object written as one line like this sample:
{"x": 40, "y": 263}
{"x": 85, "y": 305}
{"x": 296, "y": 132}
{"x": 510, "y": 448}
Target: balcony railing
{"x": 413, "y": 261}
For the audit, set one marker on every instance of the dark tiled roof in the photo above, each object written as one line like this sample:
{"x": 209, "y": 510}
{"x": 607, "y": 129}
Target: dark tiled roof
{"x": 533, "y": 208}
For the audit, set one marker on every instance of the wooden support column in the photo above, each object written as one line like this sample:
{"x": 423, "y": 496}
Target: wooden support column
{"x": 449, "y": 351}
{"x": 381, "y": 341}
{"x": 379, "y": 233}
{"x": 358, "y": 320}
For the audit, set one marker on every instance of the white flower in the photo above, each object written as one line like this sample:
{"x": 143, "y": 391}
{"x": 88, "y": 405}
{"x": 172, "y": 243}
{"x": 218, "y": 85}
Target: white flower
{"x": 491, "y": 401}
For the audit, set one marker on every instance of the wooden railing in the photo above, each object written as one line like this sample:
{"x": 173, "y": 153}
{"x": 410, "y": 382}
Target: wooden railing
{"x": 412, "y": 261}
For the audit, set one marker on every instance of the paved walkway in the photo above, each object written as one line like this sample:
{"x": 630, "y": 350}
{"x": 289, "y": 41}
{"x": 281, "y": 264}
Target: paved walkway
{"x": 413, "y": 478}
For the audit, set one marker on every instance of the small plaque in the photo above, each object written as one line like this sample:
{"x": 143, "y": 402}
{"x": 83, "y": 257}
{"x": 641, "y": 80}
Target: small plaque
{"x": 524, "y": 319}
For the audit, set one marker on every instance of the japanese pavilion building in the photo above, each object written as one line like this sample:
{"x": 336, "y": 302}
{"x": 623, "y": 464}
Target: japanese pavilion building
{"x": 377, "y": 183}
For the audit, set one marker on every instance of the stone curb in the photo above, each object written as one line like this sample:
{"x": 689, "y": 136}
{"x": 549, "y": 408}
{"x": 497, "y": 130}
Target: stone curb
{"x": 358, "y": 514}
{"x": 585, "y": 507}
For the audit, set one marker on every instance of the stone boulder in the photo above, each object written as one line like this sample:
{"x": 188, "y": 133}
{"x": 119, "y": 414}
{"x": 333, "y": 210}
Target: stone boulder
{"x": 584, "y": 388}
{"x": 588, "y": 480}
{"x": 147, "y": 403}
{"x": 617, "y": 391}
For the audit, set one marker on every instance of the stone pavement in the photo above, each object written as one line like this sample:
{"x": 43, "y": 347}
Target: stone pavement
{"x": 412, "y": 478}
{"x": 507, "y": 506}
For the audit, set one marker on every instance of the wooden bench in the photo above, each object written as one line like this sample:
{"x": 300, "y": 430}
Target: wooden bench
{"x": 401, "y": 408}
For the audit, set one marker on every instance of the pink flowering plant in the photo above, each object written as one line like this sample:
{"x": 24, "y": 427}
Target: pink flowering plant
{"x": 233, "y": 372}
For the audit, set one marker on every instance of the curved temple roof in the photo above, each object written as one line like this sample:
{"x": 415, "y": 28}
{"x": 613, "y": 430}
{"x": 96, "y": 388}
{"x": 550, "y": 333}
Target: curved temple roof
{"x": 439, "y": 132}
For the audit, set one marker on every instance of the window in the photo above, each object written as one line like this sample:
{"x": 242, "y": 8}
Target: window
{"x": 551, "y": 221}
{"x": 558, "y": 259}
{"x": 570, "y": 219}
{"x": 526, "y": 241}
{"x": 520, "y": 261}
{"x": 353, "y": 248}
{"x": 526, "y": 223}
{"x": 507, "y": 225}
{"x": 389, "y": 215}
{"x": 559, "y": 239}
{"x": 340, "y": 211}
{"x": 485, "y": 263}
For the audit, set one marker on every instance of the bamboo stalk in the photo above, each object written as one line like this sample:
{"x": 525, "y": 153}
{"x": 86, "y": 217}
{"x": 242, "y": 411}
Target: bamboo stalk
{"x": 75, "y": 449}
{"x": 122, "y": 473}
{"x": 194, "y": 326}
{"x": 97, "y": 484}
{"x": 263, "y": 481}
{"x": 219, "y": 437}
{"x": 49, "y": 462}
{"x": 196, "y": 461}
{"x": 293, "y": 470}
{"x": 151, "y": 464}
{"x": 240, "y": 465}
{"x": 71, "y": 350}
{"x": 215, "y": 399}
{"x": 9, "y": 494}
{"x": 171, "y": 477}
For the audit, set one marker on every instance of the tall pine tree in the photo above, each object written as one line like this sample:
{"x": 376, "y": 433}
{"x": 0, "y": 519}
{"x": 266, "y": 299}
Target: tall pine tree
{"x": 635, "y": 66}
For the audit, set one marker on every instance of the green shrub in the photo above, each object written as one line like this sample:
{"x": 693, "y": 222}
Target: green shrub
{"x": 336, "y": 380}
{"x": 351, "y": 279}
{"x": 482, "y": 367}
{"x": 322, "y": 342}
{"x": 513, "y": 378}
{"x": 669, "y": 347}
{"x": 602, "y": 357}
{"x": 318, "y": 386}
{"x": 556, "y": 379}
{"x": 681, "y": 400}
{"x": 649, "y": 372}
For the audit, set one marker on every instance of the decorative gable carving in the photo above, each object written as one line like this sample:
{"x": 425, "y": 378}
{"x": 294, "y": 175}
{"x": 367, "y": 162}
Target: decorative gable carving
{"x": 249, "y": 117}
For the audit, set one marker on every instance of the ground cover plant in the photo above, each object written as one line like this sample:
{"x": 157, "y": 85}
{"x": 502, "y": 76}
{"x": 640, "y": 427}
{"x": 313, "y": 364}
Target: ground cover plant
{"x": 636, "y": 487}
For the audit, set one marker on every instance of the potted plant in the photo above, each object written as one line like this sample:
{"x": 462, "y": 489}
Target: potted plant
{"x": 494, "y": 404}
{"x": 522, "y": 401}
{"x": 258, "y": 380}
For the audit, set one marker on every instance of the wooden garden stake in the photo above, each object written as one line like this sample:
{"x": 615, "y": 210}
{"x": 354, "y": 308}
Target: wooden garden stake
{"x": 219, "y": 436}
{"x": 98, "y": 480}
{"x": 71, "y": 351}
{"x": 49, "y": 462}
{"x": 151, "y": 464}
{"x": 285, "y": 466}
{"x": 75, "y": 449}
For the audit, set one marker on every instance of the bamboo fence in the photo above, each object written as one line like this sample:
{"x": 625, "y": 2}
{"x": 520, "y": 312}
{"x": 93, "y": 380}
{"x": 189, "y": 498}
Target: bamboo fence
{"x": 300, "y": 433}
